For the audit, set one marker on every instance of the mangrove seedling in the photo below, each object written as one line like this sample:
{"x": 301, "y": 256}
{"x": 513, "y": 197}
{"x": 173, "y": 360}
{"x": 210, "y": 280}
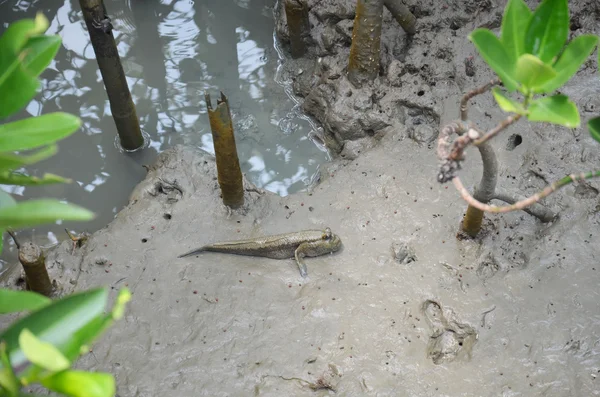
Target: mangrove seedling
{"x": 41, "y": 347}
{"x": 531, "y": 59}
{"x": 25, "y": 53}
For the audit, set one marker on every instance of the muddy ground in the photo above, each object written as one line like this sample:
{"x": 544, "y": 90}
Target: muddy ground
{"x": 405, "y": 309}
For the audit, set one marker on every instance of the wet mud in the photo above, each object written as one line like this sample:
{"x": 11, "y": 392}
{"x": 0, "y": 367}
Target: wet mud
{"x": 405, "y": 308}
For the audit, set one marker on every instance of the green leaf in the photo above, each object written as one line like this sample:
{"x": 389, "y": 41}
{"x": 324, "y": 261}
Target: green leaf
{"x": 533, "y": 73}
{"x": 40, "y": 51}
{"x": 17, "y": 86}
{"x": 15, "y": 37}
{"x": 122, "y": 299}
{"x": 574, "y": 55}
{"x": 38, "y": 212}
{"x": 82, "y": 384}
{"x": 42, "y": 353}
{"x": 57, "y": 324}
{"x": 8, "y": 380}
{"x": 557, "y": 109}
{"x": 13, "y": 178}
{"x": 9, "y": 161}
{"x": 38, "y": 131}
{"x": 507, "y": 104}
{"x": 594, "y": 127}
{"x": 18, "y": 33}
{"x": 516, "y": 18}
{"x": 495, "y": 55}
{"x": 17, "y": 301}
{"x": 6, "y": 200}
{"x": 548, "y": 30}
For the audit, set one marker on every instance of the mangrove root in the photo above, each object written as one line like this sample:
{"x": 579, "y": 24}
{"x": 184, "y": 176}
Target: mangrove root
{"x": 363, "y": 65}
{"x": 402, "y": 14}
{"x": 296, "y": 12}
{"x": 228, "y": 165}
{"x": 34, "y": 264}
{"x": 121, "y": 105}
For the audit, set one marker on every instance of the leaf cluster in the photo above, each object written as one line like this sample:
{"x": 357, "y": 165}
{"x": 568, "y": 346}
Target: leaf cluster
{"x": 25, "y": 52}
{"x": 42, "y": 346}
{"x": 532, "y": 57}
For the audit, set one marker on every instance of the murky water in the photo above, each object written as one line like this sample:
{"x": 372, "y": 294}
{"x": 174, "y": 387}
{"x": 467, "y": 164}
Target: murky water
{"x": 172, "y": 52}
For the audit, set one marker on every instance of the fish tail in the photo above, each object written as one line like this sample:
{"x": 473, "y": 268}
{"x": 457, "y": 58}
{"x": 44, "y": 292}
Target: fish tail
{"x": 193, "y": 252}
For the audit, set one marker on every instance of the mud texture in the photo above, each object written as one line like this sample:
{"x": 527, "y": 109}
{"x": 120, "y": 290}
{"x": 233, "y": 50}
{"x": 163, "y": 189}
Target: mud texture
{"x": 404, "y": 309}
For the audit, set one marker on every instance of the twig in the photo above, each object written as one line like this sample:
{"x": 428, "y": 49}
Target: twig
{"x": 78, "y": 241}
{"x": 486, "y": 313}
{"x": 477, "y": 91}
{"x": 14, "y": 237}
{"x": 522, "y": 204}
{"x": 493, "y": 132}
{"x": 537, "y": 210}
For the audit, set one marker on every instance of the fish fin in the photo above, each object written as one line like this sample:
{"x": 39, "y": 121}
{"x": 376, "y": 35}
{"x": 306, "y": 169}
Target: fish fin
{"x": 192, "y": 252}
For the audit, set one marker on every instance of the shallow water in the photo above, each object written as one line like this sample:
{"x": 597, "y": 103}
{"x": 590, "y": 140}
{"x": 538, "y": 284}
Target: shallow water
{"x": 172, "y": 52}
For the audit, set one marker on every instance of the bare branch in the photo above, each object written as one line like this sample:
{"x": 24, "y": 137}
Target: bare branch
{"x": 522, "y": 204}
{"x": 477, "y": 91}
{"x": 14, "y": 237}
{"x": 496, "y": 130}
{"x": 536, "y": 209}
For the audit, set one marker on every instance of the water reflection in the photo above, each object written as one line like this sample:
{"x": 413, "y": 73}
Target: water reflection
{"x": 172, "y": 52}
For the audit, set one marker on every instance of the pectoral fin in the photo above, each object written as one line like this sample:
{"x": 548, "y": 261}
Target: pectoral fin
{"x": 299, "y": 255}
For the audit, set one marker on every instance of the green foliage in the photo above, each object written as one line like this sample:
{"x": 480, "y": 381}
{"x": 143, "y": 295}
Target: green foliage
{"x": 36, "y": 212}
{"x": 557, "y": 109}
{"x": 41, "y": 347}
{"x": 526, "y": 58}
{"x": 569, "y": 62}
{"x": 533, "y": 73}
{"x": 25, "y": 52}
{"x": 507, "y": 104}
{"x": 594, "y": 127}
{"x": 19, "y": 301}
{"x": 547, "y": 30}
{"x": 495, "y": 54}
{"x": 39, "y": 131}
{"x": 516, "y": 18}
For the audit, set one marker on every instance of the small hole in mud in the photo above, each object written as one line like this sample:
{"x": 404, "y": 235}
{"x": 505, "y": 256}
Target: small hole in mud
{"x": 454, "y": 25}
{"x": 167, "y": 216}
{"x": 460, "y": 343}
{"x": 370, "y": 132}
{"x": 513, "y": 141}
{"x": 421, "y": 93}
{"x": 575, "y": 25}
{"x": 144, "y": 240}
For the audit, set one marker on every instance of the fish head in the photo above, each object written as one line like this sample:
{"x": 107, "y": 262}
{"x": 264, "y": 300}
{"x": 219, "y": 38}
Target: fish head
{"x": 335, "y": 242}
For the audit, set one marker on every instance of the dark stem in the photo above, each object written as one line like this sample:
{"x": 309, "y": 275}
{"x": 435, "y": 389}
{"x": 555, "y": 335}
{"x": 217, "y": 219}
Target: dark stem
{"x": 296, "y": 12}
{"x": 402, "y": 14}
{"x": 109, "y": 63}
